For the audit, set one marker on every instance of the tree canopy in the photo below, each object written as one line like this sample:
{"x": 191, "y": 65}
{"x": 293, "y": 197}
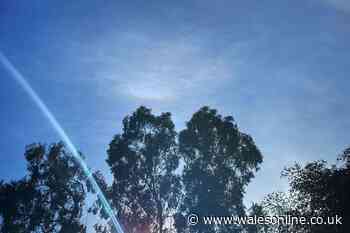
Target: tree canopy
{"x": 50, "y": 198}
{"x": 159, "y": 177}
{"x": 219, "y": 161}
{"x": 317, "y": 189}
{"x": 143, "y": 160}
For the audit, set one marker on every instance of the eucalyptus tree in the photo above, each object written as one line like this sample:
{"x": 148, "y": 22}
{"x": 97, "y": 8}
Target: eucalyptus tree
{"x": 50, "y": 198}
{"x": 143, "y": 160}
{"x": 219, "y": 162}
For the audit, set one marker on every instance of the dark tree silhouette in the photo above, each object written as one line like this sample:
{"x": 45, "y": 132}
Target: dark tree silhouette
{"x": 49, "y": 198}
{"x": 258, "y": 211}
{"x": 219, "y": 162}
{"x": 322, "y": 190}
{"x": 316, "y": 190}
{"x": 143, "y": 159}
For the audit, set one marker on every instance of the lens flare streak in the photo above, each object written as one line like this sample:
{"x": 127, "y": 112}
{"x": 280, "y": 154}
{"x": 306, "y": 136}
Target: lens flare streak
{"x": 58, "y": 128}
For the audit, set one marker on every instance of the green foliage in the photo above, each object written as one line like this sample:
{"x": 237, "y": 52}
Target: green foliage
{"x": 219, "y": 162}
{"x": 49, "y": 199}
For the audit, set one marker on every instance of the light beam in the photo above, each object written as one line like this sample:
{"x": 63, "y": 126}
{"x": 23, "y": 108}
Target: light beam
{"x": 19, "y": 78}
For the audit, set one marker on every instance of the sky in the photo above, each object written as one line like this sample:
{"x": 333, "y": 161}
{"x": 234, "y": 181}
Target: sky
{"x": 280, "y": 68}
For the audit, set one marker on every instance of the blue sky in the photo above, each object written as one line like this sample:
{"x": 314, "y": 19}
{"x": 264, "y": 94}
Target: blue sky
{"x": 281, "y": 68}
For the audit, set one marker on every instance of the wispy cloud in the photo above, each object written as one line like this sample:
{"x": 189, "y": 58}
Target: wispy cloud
{"x": 167, "y": 70}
